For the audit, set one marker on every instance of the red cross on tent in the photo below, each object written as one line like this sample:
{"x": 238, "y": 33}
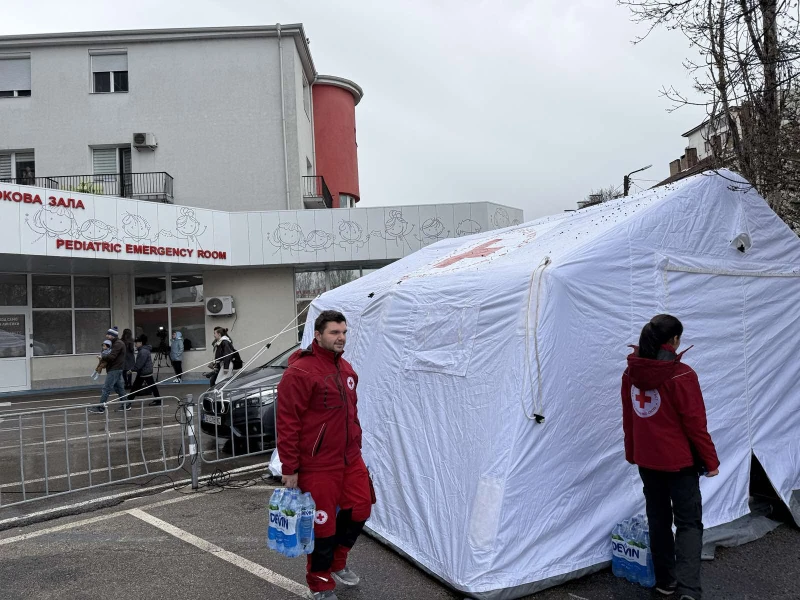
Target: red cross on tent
{"x": 484, "y": 249}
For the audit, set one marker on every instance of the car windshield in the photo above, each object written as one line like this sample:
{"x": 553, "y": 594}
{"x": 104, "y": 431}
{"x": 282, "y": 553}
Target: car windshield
{"x": 281, "y": 361}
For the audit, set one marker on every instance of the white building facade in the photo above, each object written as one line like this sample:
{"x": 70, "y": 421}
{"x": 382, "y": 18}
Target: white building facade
{"x": 143, "y": 173}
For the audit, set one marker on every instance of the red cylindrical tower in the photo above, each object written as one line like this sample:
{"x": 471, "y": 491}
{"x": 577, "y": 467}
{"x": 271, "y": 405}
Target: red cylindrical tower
{"x": 335, "y": 102}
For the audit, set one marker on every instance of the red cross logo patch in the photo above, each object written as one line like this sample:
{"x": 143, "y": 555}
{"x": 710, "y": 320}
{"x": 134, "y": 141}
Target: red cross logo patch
{"x": 645, "y": 402}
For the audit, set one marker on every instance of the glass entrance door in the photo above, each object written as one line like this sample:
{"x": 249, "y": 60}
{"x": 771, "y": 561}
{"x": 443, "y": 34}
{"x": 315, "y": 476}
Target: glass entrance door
{"x": 15, "y": 349}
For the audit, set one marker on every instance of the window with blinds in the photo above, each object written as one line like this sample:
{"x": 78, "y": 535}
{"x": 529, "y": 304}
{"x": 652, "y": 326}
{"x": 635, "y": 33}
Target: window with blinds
{"x": 15, "y": 76}
{"x": 18, "y": 167}
{"x": 5, "y": 167}
{"x": 109, "y": 72}
{"x": 104, "y": 161}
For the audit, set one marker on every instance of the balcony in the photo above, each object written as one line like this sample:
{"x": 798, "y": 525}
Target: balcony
{"x": 156, "y": 187}
{"x": 316, "y": 193}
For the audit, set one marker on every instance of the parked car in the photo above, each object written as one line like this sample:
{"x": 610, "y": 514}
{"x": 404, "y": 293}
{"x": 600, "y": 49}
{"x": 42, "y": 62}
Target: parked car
{"x": 243, "y": 415}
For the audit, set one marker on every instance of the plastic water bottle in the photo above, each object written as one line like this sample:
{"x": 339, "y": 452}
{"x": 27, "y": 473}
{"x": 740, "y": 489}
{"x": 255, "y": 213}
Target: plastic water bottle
{"x": 274, "y": 515}
{"x": 616, "y": 561}
{"x": 280, "y": 528}
{"x": 634, "y": 544}
{"x": 305, "y": 526}
{"x": 291, "y": 547}
{"x": 648, "y": 579}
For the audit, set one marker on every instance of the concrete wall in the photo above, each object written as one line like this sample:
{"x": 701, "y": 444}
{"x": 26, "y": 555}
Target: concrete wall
{"x": 264, "y": 301}
{"x": 213, "y": 105}
{"x": 305, "y": 132}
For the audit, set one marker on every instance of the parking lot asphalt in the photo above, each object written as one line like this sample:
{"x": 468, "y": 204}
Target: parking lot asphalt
{"x": 158, "y": 539}
{"x": 211, "y": 544}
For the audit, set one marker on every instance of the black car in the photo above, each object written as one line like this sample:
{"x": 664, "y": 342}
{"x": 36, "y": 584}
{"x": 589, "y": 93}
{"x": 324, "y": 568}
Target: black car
{"x": 243, "y": 414}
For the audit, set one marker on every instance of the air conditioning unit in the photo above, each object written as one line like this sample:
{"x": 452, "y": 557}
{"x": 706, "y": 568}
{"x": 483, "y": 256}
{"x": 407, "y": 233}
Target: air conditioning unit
{"x": 220, "y": 306}
{"x": 144, "y": 140}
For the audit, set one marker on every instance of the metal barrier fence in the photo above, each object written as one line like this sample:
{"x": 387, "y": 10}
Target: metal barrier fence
{"x": 63, "y": 450}
{"x": 242, "y": 420}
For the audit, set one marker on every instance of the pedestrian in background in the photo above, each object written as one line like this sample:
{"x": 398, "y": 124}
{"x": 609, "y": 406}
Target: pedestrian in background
{"x": 226, "y": 358}
{"x": 144, "y": 373}
{"x": 664, "y": 420}
{"x": 176, "y": 355}
{"x": 101, "y": 359}
{"x": 130, "y": 356}
{"x": 115, "y": 361}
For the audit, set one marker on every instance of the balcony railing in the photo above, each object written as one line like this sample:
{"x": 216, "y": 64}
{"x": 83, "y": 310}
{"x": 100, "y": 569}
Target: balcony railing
{"x": 156, "y": 187}
{"x": 314, "y": 188}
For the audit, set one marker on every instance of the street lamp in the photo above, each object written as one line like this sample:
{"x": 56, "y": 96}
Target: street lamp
{"x": 626, "y": 182}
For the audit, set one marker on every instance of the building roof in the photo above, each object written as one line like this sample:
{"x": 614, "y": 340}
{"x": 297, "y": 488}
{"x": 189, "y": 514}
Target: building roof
{"x": 704, "y": 164}
{"x": 734, "y": 109}
{"x": 343, "y": 83}
{"x": 130, "y": 36}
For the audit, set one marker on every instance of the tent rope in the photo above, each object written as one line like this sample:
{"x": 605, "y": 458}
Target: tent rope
{"x": 538, "y": 402}
{"x": 266, "y": 347}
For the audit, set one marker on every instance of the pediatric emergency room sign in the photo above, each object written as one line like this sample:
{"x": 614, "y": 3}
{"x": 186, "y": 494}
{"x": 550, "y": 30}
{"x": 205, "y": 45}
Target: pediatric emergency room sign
{"x": 65, "y": 223}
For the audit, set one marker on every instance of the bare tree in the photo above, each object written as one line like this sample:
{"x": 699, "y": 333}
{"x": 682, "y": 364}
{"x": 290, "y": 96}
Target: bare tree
{"x": 601, "y": 195}
{"x": 746, "y": 80}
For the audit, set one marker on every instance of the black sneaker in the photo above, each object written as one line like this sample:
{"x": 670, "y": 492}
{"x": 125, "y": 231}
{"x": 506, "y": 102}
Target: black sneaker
{"x": 155, "y": 403}
{"x": 98, "y": 410}
{"x": 667, "y": 589}
{"x": 126, "y": 407}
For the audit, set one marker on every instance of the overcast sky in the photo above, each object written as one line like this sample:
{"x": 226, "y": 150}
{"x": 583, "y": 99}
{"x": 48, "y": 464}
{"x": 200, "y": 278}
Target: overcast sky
{"x": 529, "y": 103}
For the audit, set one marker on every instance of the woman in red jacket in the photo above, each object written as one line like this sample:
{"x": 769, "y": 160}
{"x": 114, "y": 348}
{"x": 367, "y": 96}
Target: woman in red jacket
{"x": 664, "y": 419}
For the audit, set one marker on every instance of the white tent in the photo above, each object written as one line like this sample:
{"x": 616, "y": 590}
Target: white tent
{"x": 460, "y": 345}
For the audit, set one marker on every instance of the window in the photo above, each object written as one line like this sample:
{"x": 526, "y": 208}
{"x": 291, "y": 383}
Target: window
{"x": 109, "y": 72}
{"x": 13, "y": 290}
{"x": 167, "y": 303}
{"x": 307, "y": 97}
{"x": 71, "y": 314}
{"x": 18, "y": 167}
{"x": 310, "y": 284}
{"x": 347, "y": 201}
{"x": 15, "y": 76}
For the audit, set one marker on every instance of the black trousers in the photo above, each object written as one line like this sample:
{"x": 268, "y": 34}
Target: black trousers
{"x": 144, "y": 382}
{"x": 177, "y": 366}
{"x": 675, "y": 558}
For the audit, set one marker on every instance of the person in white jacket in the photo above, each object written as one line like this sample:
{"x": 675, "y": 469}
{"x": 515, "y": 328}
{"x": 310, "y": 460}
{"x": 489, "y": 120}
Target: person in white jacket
{"x": 176, "y": 355}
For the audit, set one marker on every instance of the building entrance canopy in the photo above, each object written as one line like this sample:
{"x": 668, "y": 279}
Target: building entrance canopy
{"x": 56, "y": 223}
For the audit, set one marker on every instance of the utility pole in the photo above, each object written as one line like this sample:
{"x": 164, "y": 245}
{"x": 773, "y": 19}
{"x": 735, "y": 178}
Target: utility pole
{"x": 626, "y": 181}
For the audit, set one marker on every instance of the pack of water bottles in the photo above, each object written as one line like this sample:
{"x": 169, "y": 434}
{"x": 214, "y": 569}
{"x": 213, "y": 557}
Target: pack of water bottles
{"x": 291, "y": 522}
{"x": 631, "y": 557}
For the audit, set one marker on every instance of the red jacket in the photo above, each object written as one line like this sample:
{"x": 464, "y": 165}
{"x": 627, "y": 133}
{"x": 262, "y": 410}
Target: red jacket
{"x": 318, "y": 428}
{"x": 662, "y": 413}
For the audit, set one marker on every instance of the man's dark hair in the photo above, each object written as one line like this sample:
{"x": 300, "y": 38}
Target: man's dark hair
{"x": 328, "y": 316}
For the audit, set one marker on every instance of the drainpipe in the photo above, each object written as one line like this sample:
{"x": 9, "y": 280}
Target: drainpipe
{"x": 283, "y": 117}
{"x": 313, "y": 132}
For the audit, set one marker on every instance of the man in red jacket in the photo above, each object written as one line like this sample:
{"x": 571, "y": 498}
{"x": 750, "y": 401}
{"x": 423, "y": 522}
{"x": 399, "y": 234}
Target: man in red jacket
{"x": 664, "y": 420}
{"x": 319, "y": 443}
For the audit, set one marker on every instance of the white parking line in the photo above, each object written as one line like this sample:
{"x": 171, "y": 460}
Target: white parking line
{"x": 81, "y": 523}
{"x": 100, "y": 470}
{"x": 98, "y": 435}
{"x": 75, "y": 424}
{"x": 234, "y": 559}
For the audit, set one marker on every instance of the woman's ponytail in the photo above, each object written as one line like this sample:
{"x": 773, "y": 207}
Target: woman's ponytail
{"x": 660, "y": 330}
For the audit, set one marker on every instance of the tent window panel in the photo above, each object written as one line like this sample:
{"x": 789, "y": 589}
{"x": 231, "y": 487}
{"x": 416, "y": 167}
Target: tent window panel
{"x": 441, "y": 339}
